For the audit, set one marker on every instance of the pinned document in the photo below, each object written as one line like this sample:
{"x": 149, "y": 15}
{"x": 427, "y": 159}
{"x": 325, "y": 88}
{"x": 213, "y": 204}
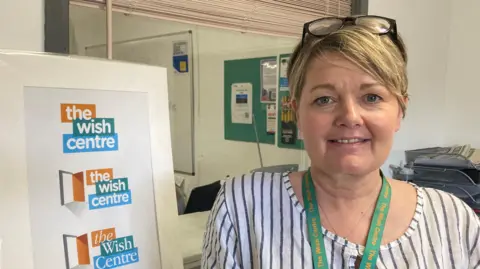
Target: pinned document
{"x": 180, "y": 56}
{"x": 271, "y": 119}
{"x": 289, "y": 128}
{"x": 283, "y": 74}
{"x": 242, "y": 107}
{"x": 268, "y": 81}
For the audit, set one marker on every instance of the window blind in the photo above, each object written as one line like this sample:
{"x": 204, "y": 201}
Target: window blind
{"x": 273, "y": 17}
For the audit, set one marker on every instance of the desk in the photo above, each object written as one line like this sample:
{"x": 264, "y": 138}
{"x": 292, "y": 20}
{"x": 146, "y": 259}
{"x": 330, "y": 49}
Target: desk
{"x": 191, "y": 230}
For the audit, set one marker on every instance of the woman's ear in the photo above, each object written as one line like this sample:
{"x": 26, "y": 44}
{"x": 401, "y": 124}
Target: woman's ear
{"x": 401, "y": 113}
{"x": 294, "y": 107}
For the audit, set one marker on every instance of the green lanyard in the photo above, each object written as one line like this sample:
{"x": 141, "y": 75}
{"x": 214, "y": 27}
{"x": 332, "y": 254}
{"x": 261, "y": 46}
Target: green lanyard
{"x": 315, "y": 226}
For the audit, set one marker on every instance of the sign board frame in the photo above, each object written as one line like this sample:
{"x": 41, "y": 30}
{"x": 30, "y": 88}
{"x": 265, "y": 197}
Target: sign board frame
{"x": 19, "y": 70}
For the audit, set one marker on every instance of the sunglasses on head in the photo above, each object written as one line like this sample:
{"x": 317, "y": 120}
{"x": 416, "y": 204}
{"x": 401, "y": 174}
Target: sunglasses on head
{"x": 376, "y": 24}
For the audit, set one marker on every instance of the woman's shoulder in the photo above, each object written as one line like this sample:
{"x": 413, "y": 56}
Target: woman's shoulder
{"x": 255, "y": 179}
{"x": 246, "y": 187}
{"x": 443, "y": 206}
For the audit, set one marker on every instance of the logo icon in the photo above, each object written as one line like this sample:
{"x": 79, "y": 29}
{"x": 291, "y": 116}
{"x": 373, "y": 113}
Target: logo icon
{"x": 108, "y": 250}
{"x": 89, "y": 134}
{"x": 97, "y": 187}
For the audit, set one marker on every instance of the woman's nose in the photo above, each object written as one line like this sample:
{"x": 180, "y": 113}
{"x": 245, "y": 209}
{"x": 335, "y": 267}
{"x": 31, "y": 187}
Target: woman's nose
{"x": 348, "y": 114}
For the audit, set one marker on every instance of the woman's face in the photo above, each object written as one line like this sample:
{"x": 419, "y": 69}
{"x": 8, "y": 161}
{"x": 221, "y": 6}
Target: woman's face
{"x": 348, "y": 120}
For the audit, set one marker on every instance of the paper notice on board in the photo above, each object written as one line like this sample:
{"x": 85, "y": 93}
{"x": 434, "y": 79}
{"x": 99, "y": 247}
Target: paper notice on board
{"x": 241, "y": 103}
{"x": 283, "y": 74}
{"x": 271, "y": 119}
{"x": 269, "y": 81}
{"x": 180, "y": 57}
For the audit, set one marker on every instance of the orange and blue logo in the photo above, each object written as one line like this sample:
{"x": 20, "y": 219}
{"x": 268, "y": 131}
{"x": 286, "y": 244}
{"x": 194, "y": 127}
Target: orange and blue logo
{"x": 108, "y": 250}
{"x": 89, "y": 134}
{"x": 108, "y": 191}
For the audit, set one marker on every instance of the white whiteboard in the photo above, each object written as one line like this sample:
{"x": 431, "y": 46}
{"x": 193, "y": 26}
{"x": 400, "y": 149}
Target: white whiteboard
{"x": 32, "y": 157}
{"x": 158, "y": 51}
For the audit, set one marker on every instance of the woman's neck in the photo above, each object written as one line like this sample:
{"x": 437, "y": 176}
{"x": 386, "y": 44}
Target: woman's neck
{"x": 347, "y": 192}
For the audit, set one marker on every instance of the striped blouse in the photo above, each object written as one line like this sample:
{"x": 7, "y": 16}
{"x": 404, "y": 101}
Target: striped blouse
{"x": 257, "y": 222}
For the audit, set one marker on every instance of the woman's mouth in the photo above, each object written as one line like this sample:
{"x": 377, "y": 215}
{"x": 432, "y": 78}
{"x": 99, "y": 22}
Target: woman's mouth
{"x": 349, "y": 141}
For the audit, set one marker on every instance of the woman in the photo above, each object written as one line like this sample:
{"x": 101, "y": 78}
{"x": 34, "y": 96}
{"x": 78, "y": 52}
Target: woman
{"x": 349, "y": 82}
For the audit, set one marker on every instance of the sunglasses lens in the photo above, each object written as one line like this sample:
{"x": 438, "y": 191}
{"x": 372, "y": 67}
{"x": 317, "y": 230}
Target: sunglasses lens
{"x": 378, "y": 25}
{"x": 325, "y": 26}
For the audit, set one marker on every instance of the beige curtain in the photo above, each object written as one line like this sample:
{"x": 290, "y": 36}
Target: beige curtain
{"x": 273, "y": 17}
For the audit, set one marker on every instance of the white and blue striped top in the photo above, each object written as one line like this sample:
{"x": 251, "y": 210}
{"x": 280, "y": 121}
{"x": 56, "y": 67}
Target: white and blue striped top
{"x": 257, "y": 222}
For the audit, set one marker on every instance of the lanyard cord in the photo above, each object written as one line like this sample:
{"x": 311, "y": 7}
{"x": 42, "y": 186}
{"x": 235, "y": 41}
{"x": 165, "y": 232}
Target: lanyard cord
{"x": 375, "y": 233}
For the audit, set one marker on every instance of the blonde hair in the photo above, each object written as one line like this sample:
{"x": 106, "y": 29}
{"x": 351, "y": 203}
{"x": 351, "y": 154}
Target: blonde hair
{"x": 376, "y": 54}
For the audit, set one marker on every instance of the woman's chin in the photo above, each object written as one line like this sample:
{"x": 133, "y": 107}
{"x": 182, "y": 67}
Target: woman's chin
{"x": 351, "y": 166}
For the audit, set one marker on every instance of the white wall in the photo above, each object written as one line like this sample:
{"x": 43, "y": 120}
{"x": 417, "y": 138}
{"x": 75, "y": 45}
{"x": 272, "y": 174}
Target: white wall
{"x": 443, "y": 41}
{"x": 462, "y": 81}
{"x": 215, "y": 156}
{"x": 424, "y": 27}
{"x": 21, "y": 25}
{"x": 425, "y": 32}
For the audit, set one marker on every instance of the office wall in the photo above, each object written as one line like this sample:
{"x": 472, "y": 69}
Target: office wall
{"x": 424, "y": 27}
{"x": 443, "y": 40}
{"x": 21, "y": 25}
{"x": 215, "y": 156}
{"x": 462, "y": 81}
{"x": 426, "y": 36}
{"x": 21, "y": 28}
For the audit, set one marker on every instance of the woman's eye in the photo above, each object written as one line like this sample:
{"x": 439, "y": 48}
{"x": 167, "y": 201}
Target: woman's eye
{"x": 323, "y": 100}
{"x": 372, "y": 98}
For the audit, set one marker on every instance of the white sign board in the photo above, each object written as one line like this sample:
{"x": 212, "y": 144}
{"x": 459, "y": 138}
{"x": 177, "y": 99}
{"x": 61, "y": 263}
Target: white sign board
{"x": 89, "y": 154}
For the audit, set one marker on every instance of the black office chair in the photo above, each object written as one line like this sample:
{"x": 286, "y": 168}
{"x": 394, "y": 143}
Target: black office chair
{"x": 202, "y": 198}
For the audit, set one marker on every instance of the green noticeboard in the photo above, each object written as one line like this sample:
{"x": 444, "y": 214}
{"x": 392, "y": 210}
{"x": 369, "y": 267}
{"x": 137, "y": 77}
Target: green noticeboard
{"x": 252, "y": 96}
{"x": 288, "y": 135}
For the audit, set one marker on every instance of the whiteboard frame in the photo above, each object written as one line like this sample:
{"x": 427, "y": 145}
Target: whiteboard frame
{"x": 30, "y": 69}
